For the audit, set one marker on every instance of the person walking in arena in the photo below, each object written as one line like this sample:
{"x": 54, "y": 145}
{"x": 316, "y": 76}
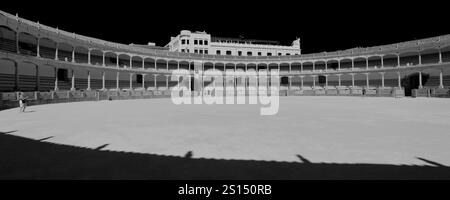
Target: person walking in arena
{"x": 22, "y": 103}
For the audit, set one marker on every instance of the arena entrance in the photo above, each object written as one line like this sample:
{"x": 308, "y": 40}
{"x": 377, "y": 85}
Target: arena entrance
{"x": 411, "y": 82}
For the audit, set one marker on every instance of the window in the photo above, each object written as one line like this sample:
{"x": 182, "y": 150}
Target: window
{"x": 288, "y": 54}
{"x": 249, "y": 53}
{"x": 239, "y": 53}
{"x": 269, "y": 54}
{"x": 206, "y": 51}
{"x": 187, "y": 42}
{"x": 201, "y": 50}
{"x": 279, "y": 54}
{"x": 182, "y": 50}
{"x": 206, "y": 42}
{"x": 139, "y": 78}
{"x": 195, "y": 50}
{"x": 183, "y": 41}
{"x": 259, "y": 53}
{"x": 195, "y": 42}
{"x": 228, "y": 53}
{"x": 200, "y": 42}
{"x": 218, "y": 52}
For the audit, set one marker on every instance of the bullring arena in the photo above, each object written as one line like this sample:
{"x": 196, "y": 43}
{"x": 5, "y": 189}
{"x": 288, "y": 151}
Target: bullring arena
{"x": 383, "y": 105}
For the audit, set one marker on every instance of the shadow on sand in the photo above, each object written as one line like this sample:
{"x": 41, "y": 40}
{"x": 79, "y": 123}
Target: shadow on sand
{"x": 23, "y": 158}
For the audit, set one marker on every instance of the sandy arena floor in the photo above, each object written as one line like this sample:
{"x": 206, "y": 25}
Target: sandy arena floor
{"x": 321, "y": 129}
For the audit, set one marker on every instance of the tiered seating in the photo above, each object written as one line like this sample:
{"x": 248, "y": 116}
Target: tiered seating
{"x": 6, "y": 82}
{"x": 27, "y": 83}
{"x": 8, "y": 45}
{"x": 47, "y": 52}
{"x": 46, "y": 83}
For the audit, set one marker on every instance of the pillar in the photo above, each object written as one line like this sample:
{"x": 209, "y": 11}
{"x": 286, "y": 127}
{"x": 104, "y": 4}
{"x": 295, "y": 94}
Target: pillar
{"x": 441, "y": 83}
{"x": 314, "y": 81}
{"x": 301, "y": 67}
{"x": 301, "y": 81}
{"x": 73, "y": 81}
{"x": 339, "y": 65}
{"x": 382, "y": 79}
{"x": 420, "y": 79}
{"x": 103, "y": 81}
{"x": 367, "y": 80}
{"x": 17, "y": 41}
{"x": 56, "y": 79}
{"x": 73, "y": 55}
{"x": 420, "y": 59}
{"x": 56, "y": 51}
{"x": 326, "y": 80}
{"x": 89, "y": 56}
{"x": 16, "y": 76}
{"x": 440, "y": 56}
{"x": 38, "y": 79}
{"x": 155, "y": 66}
{"x": 289, "y": 78}
{"x": 103, "y": 59}
{"x": 367, "y": 63}
{"x": 143, "y": 81}
{"x": 314, "y": 66}
{"x": 38, "y": 48}
{"x": 131, "y": 62}
{"x": 382, "y": 62}
{"x": 398, "y": 60}
{"x": 353, "y": 80}
{"x": 178, "y": 65}
{"x": 353, "y": 64}
{"x": 326, "y": 65}
{"x": 117, "y": 80}
{"x": 339, "y": 80}
{"x": 155, "y": 75}
{"x": 399, "y": 80}
{"x": 143, "y": 64}
{"x": 89, "y": 81}
{"x": 131, "y": 81}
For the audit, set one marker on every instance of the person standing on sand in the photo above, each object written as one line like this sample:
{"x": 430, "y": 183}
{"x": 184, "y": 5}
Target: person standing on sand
{"x": 22, "y": 103}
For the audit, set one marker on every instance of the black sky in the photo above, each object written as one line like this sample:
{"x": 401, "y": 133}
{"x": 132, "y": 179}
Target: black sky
{"x": 322, "y": 26}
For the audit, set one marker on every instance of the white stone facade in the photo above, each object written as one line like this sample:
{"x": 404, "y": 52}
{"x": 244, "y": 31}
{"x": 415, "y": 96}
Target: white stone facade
{"x": 203, "y": 43}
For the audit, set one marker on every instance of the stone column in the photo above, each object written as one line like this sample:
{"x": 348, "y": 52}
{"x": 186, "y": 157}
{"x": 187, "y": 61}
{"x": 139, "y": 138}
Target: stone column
{"x": 441, "y": 83}
{"x": 301, "y": 81}
{"x": 117, "y": 61}
{"x": 117, "y": 80}
{"x": 339, "y": 64}
{"x": 131, "y": 81}
{"x": 56, "y": 79}
{"x": 326, "y": 80}
{"x": 382, "y": 62}
{"x": 103, "y": 59}
{"x": 420, "y": 80}
{"x": 353, "y": 80}
{"x": 103, "y": 81}
{"x": 143, "y": 81}
{"x": 314, "y": 80}
{"x": 353, "y": 64}
{"x": 56, "y": 51}
{"x": 73, "y": 81}
{"x": 382, "y": 79}
{"x": 399, "y": 80}
{"x": 367, "y": 63}
{"x": 420, "y": 59}
{"x": 143, "y": 65}
{"x": 339, "y": 80}
{"x": 73, "y": 55}
{"x": 38, "y": 48}
{"x": 440, "y": 56}
{"x": 89, "y": 56}
{"x": 155, "y": 75}
{"x": 398, "y": 60}
{"x": 367, "y": 80}
{"x": 89, "y": 81}
{"x": 38, "y": 79}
